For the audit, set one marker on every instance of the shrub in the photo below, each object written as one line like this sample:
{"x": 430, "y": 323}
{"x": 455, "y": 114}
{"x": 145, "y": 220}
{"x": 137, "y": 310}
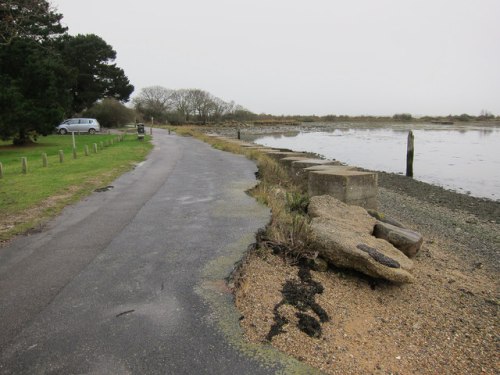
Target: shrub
{"x": 111, "y": 113}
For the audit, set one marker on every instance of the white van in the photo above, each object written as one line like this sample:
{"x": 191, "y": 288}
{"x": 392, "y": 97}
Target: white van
{"x": 90, "y": 125}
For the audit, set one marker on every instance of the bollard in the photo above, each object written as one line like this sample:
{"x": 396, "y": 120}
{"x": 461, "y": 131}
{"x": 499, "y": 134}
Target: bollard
{"x": 24, "y": 165}
{"x": 1, "y": 170}
{"x": 111, "y": 142}
{"x": 74, "y": 152}
{"x": 239, "y": 134}
{"x": 151, "y": 130}
{"x": 102, "y": 145}
{"x": 168, "y": 131}
{"x": 45, "y": 161}
{"x": 95, "y": 148}
{"x": 409, "y": 155}
{"x": 86, "y": 150}
{"x": 61, "y": 156}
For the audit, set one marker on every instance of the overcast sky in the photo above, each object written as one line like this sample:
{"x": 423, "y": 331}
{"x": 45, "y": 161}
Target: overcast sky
{"x": 374, "y": 57}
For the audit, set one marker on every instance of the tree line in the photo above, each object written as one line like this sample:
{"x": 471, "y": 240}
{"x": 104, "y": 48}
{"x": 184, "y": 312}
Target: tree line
{"x": 47, "y": 74}
{"x": 182, "y": 106}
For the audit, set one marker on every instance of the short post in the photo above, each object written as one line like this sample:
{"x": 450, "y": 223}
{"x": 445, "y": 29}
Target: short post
{"x": 45, "y": 161}
{"x": 74, "y": 152}
{"x": 409, "y": 155}
{"x": 111, "y": 142}
{"x": 169, "y": 131}
{"x": 73, "y": 137}
{"x": 61, "y": 156}
{"x": 151, "y": 130}
{"x": 1, "y": 170}
{"x": 24, "y": 165}
{"x": 102, "y": 145}
{"x": 239, "y": 134}
{"x": 86, "y": 150}
{"x": 95, "y": 148}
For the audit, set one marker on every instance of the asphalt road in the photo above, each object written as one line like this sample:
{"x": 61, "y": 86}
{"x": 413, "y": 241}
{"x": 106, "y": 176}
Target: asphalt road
{"x": 120, "y": 283}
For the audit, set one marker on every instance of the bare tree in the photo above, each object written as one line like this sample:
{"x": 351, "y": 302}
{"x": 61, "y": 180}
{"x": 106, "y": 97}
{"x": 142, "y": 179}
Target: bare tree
{"x": 182, "y": 104}
{"x": 155, "y": 101}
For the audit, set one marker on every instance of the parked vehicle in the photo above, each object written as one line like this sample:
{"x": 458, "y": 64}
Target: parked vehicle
{"x": 90, "y": 125}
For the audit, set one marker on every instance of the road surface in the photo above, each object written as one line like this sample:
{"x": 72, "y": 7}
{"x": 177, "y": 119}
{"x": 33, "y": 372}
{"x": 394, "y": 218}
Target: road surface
{"x": 128, "y": 281}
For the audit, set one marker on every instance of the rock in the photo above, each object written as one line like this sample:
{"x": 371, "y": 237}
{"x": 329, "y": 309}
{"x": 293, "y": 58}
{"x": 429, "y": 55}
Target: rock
{"x": 385, "y": 219}
{"x": 343, "y": 237}
{"x": 406, "y": 240}
{"x": 327, "y": 207}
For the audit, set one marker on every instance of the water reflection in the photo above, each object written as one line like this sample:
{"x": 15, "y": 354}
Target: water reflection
{"x": 463, "y": 159}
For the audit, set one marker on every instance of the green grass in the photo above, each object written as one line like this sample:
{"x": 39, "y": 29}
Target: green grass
{"x": 28, "y": 199}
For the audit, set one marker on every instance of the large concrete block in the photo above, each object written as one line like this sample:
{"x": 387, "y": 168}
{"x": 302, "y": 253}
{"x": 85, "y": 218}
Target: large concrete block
{"x": 287, "y": 162}
{"x": 349, "y": 186}
{"x": 278, "y": 155}
{"x": 301, "y": 176}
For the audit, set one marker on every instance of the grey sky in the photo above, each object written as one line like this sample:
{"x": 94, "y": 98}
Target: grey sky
{"x": 376, "y": 57}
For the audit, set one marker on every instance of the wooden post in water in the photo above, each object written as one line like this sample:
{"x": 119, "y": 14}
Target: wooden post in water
{"x": 61, "y": 156}
{"x": 24, "y": 165}
{"x": 45, "y": 161}
{"x": 409, "y": 155}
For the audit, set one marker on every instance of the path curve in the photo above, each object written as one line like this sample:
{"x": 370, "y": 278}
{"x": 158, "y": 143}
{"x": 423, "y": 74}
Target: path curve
{"x": 127, "y": 281}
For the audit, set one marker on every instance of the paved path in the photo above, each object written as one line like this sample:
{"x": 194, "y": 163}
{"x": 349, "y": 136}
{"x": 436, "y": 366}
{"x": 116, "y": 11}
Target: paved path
{"x": 126, "y": 280}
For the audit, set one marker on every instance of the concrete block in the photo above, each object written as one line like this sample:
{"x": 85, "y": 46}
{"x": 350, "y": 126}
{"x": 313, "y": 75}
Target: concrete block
{"x": 349, "y": 186}
{"x": 278, "y": 155}
{"x": 301, "y": 176}
{"x": 287, "y": 162}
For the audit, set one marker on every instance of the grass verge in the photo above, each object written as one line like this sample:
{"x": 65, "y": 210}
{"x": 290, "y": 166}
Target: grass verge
{"x": 28, "y": 200}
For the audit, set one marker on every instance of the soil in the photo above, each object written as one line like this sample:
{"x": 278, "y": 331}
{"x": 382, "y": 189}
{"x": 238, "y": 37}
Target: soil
{"x": 343, "y": 322}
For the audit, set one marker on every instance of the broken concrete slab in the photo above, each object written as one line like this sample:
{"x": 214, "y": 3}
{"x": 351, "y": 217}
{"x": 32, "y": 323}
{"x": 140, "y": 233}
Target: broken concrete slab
{"x": 343, "y": 237}
{"x": 406, "y": 240}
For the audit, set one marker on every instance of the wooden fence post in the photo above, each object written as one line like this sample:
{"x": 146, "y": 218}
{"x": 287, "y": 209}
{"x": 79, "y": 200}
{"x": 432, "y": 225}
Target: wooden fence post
{"x": 61, "y": 156}
{"x": 1, "y": 170}
{"x": 95, "y": 148}
{"x": 74, "y": 152}
{"x": 86, "y": 150}
{"x": 102, "y": 145}
{"x": 409, "y": 155}
{"x": 45, "y": 161}
{"x": 24, "y": 165}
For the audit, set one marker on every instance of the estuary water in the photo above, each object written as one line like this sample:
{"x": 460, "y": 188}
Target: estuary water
{"x": 465, "y": 159}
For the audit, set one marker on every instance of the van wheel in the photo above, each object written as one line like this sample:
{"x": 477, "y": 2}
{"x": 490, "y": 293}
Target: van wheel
{"x": 63, "y": 131}
{"x": 91, "y": 131}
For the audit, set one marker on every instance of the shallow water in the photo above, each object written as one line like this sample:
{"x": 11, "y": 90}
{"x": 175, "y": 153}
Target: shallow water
{"x": 465, "y": 159}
